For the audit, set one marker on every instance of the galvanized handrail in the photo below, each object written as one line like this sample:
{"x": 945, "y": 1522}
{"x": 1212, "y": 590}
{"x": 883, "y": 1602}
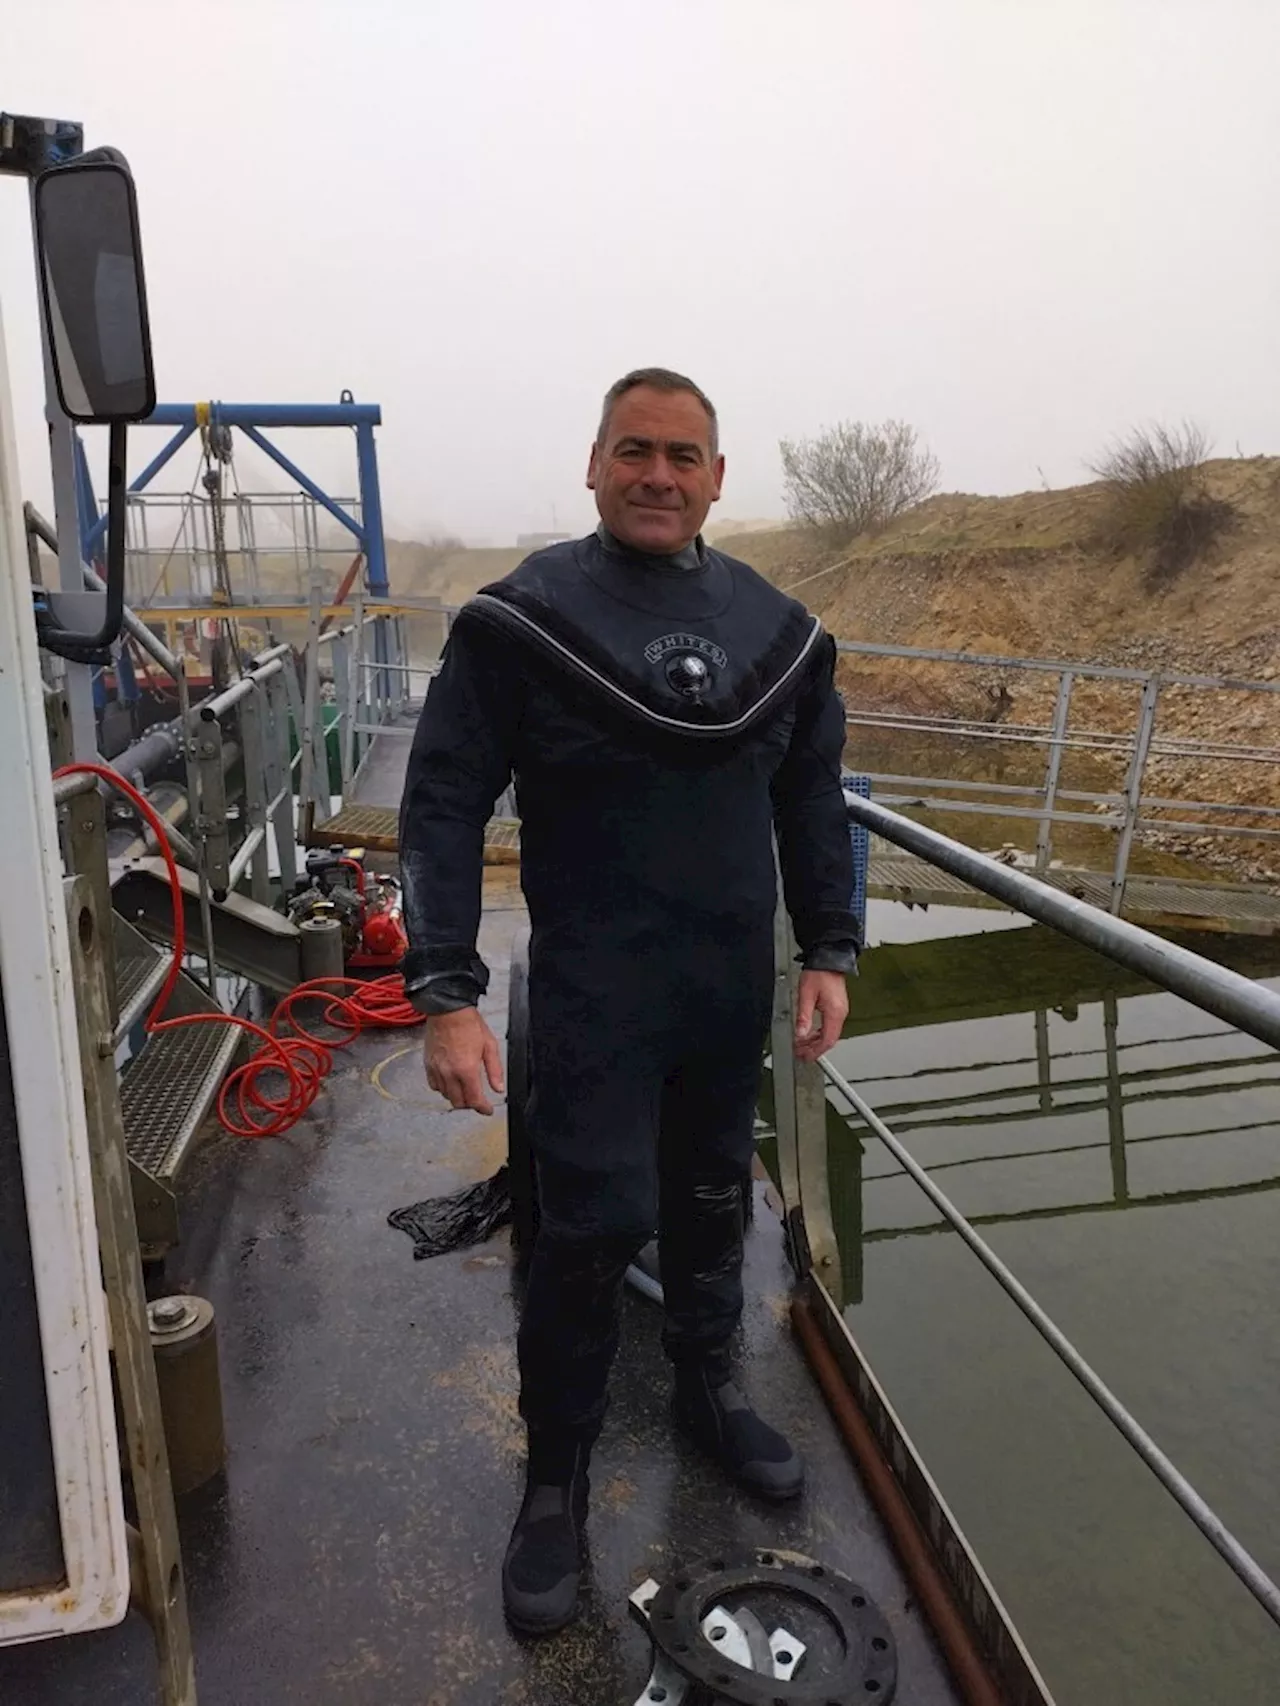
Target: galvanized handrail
{"x": 1042, "y": 734}
{"x": 1213, "y": 988}
{"x": 1242, "y": 1562}
{"x": 1135, "y": 811}
{"x": 1054, "y": 666}
{"x": 1216, "y": 989}
{"x": 66, "y": 788}
{"x": 269, "y": 664}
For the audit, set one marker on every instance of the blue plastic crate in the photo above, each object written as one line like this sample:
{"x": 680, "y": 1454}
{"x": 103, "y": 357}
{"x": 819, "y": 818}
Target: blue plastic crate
{"x": 860, "y": 839}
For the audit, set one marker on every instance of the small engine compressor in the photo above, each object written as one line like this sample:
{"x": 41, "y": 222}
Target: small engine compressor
{"x": 368, "y": 906}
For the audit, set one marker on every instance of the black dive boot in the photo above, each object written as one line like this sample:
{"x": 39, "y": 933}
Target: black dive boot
{"x": 543, "y": 1565}
{"x": 713, "y": 1411}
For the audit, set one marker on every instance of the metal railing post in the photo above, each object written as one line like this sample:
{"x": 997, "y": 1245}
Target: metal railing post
{"x": 1044, "y": 1060}
{"x": 311, "y": 713}
{"x": 1115, "y": 1100}
{"x": 782, "y": 1031}
{"x": 360, "y": 696}
{"x": 341, "y": 654}
{"x": 800, "y": 1111}
{"x": 192, "y": 729}
{"x": 253, "y": 757}
{"x": 280, "y": 776}
{"x": 1133, "y": 790}
{"x": 1061, "y": 713}
{"x": 400, "y": 657}
{"x": 211, "y": 823}
{"x": 384, "y": 682}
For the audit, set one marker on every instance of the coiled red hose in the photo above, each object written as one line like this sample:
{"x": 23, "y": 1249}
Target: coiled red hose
{"x": 250, "y": 1103}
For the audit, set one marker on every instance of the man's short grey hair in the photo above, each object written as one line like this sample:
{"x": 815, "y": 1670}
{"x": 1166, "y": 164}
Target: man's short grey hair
{"x": 658, "y": 379}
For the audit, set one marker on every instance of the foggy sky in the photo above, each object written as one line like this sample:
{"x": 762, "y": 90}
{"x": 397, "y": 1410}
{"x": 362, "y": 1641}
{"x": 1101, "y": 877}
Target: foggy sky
{"x": 1022, "y": 225}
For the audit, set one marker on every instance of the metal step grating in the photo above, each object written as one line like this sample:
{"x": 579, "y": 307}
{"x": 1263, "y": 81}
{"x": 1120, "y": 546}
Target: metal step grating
{"x": 140, "y": 970}
{"x": 136, "y": 962}
{"x": 502, "y": 833}
{"x": 374, "y": 827}
{"x": 168, "y": 1090}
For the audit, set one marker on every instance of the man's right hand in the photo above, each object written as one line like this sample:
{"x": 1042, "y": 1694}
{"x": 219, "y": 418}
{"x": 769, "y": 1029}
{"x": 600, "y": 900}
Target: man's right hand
{"x": 459, "y": 1053}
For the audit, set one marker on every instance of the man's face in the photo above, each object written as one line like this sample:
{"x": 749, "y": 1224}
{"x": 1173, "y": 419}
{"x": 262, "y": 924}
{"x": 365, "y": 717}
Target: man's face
{"x": 654, "y": 475}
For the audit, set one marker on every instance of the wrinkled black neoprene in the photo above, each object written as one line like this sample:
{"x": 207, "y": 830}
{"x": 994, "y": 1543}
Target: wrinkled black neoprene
{"x": 647, "y": 861}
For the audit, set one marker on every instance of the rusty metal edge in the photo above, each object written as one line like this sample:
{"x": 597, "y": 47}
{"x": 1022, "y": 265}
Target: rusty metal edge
{"x": 987, "y": 1659}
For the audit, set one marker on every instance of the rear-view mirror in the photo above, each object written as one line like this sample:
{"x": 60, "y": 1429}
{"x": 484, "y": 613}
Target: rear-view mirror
{"x": 90, "y": 258}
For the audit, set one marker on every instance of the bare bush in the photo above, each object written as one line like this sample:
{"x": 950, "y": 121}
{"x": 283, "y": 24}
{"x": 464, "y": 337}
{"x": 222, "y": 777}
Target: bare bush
{"x": 1152, "y": 455}
{"x": 855, "y": 477}
{"x": 1159, "y": 505}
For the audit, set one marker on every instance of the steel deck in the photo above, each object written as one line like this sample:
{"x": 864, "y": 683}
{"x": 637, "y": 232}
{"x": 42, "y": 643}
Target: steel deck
{"x": 351, "y": 1552}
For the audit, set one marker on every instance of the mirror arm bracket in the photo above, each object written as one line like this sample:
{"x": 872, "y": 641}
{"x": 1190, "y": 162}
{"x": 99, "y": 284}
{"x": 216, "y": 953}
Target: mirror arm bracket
{"x": 29, "y": 146}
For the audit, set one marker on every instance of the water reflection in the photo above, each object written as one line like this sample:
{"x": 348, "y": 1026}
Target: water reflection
{"x": 1119, "y": 1148}
{"x": 1088, "y": 1096}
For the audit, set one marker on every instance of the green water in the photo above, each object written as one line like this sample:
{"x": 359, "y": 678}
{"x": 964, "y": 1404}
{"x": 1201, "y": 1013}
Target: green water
{"x": 1121, "y": 1151}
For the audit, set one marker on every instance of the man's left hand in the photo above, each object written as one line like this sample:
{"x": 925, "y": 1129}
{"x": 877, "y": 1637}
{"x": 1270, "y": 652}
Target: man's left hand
{"x": 822, "y": 1006}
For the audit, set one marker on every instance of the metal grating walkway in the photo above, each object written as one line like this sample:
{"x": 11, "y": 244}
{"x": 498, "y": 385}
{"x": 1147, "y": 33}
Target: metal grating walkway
{"x": 141, "y": 969}
{"x": 374, "y": 827}
{"x": 1170, "y": 902}
{"x": 136, "y": 963}
{"x": 377, "y": 828}
{"x": 168, "y": 1090}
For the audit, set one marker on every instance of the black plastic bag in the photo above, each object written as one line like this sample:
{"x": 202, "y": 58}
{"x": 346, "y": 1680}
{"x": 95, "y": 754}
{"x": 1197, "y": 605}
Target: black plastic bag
{"x": 458, "y": 1221}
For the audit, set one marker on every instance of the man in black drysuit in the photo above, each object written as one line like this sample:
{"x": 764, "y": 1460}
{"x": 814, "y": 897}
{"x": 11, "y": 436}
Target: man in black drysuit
{"x": 664, "y": 711}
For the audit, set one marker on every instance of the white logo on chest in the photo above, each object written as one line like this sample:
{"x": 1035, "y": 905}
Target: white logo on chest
{"x": 656, "y": 650}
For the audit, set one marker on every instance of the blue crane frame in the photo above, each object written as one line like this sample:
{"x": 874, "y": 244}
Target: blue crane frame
{"x": 251, "y": 418}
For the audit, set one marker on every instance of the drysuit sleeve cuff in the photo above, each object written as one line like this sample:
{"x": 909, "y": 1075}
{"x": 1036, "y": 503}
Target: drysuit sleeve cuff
{"x": 831, "y": 956}
{"x": 828, "y": 940}
{"x": 441, "y": 980}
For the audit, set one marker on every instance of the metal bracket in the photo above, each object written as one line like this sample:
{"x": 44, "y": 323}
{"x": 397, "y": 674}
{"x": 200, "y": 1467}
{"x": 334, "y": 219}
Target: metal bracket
{"x": 254, "y": 753}
{"x": 30, "y": 145}
{"x": 155, "y": 1209}
{"x": 211, "y": 820}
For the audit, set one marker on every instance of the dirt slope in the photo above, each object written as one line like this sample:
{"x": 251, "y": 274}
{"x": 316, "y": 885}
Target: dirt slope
{"x": 1026, "y": 576}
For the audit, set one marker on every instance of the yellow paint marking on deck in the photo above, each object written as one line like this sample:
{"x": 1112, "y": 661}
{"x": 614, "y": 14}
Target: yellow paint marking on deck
{"x": 376, "y": 1075}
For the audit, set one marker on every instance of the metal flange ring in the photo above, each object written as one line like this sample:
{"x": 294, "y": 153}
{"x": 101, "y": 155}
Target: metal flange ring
{"x": 867, "y": 1672}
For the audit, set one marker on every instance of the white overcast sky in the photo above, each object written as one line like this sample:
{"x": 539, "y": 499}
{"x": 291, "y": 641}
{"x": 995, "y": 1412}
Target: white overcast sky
{"x": 1020, "y": 224}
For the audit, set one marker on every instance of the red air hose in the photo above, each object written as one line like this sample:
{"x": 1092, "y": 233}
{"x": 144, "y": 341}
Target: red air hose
{"x": 250, "y": 1104}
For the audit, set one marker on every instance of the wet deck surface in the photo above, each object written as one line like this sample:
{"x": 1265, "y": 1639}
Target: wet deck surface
{"x": 350, "y": 1555}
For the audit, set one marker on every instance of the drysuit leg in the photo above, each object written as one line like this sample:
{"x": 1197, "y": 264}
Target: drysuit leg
{"x": 636, "y": 1070}
{"x": 705, "y": 1147}
{"x": 595, "y": 1087}
{"x": 705, "y": 1159}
